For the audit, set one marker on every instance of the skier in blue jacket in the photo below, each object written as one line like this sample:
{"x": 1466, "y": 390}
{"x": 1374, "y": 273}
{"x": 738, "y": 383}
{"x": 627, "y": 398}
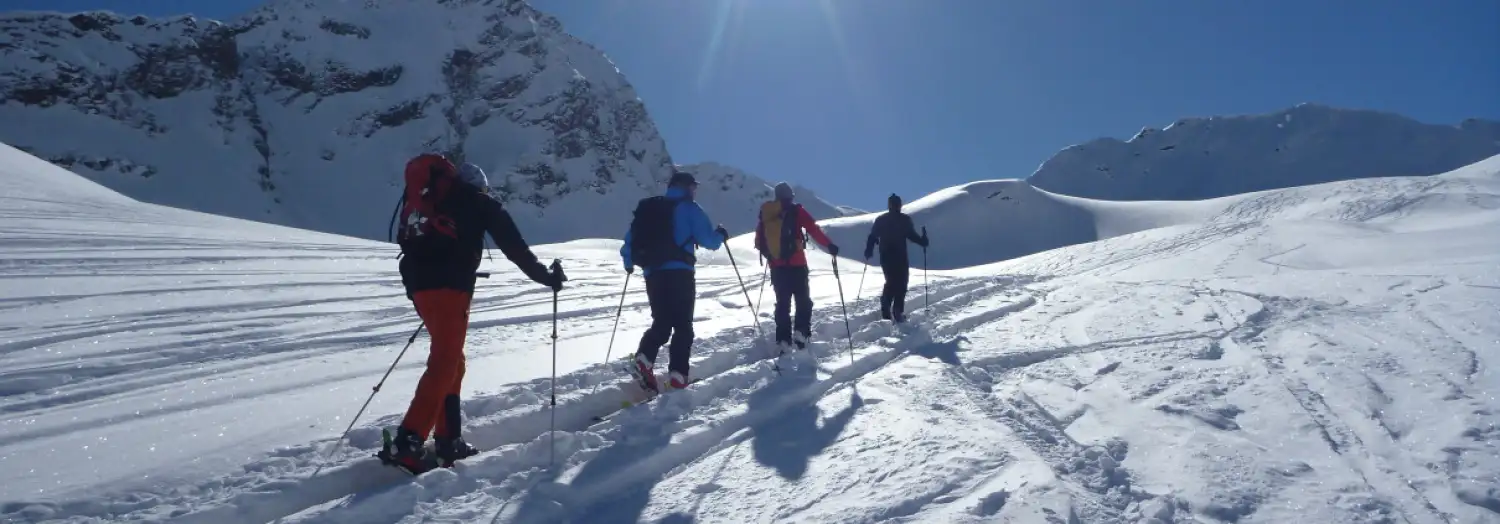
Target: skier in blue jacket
{"x": 661, "y": 240}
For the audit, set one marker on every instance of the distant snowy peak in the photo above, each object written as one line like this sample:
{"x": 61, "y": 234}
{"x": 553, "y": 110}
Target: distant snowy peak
{"x": 302, "y": 112}
{"x": 1198, "y": 158}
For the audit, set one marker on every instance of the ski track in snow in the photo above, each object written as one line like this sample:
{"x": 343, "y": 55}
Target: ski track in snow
{"x": 269, "y": 488}
{"x": 1320, "y": 354}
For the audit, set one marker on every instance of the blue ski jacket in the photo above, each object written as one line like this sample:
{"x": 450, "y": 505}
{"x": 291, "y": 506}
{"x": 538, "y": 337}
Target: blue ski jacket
{"x": 690, "y": 225}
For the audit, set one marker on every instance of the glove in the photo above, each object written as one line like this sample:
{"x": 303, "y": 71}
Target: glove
{"x": 833, "y": 249}
{"x": 629, "y": 269}
{"x": 869, "y": 254}
{"x": 555, "y": 278}
{"x": 722, "y": 232}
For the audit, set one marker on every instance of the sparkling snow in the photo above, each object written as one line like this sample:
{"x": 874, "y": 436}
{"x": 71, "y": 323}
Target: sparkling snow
{"x": 1320, "y": 354}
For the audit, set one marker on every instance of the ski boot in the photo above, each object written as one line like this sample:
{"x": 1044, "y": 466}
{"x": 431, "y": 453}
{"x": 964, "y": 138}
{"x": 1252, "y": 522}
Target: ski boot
{"x": 453, "y": 449}
{"x": 644, "y": 375}
{"x": 783, "y": 347}
{"x": 405, "y": 451}
{"x": 677, "y": 380}
{"x": 800, "y": 339}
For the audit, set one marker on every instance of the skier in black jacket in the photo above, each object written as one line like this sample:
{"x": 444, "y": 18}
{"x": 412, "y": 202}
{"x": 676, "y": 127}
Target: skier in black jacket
{"x": 892, "y": 230}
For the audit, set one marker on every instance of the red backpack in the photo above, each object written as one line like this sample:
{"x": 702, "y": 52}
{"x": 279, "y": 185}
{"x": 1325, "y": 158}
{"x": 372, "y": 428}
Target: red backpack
{"x": 424, "y": 225}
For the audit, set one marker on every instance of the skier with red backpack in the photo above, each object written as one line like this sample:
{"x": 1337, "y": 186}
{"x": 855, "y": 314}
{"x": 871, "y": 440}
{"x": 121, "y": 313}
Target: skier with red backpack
{"x": 779, "y": 237}
{"x": 445, "y": 213}
{"x": 661, "y": 239}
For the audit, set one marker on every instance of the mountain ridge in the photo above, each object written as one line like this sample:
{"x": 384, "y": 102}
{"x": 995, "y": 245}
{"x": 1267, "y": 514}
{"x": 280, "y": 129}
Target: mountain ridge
{"x": 302, "y": 112}
{"x": 1208, "y": 157}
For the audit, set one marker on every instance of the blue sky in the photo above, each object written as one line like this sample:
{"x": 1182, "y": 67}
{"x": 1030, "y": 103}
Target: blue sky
{"x": 859, "y": 98}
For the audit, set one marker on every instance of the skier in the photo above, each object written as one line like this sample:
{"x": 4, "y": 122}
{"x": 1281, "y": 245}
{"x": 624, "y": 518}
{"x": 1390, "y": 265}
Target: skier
{"x": 779, "y": 237}
{"x": 661, "y": 240}
{"x": 891, "y": 231}
{"x": 444, "y": 217}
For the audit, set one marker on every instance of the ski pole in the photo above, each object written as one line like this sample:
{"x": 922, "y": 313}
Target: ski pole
{"x": 845, "y": 307}
{"x": 859, "y": 292}
{"x": 762, "y": 294}
{"x": 926, "y": 304}
{"x": 616, "y": 329}
{"x": 373, "y": 391}
{"x": 737, "y": 277}
{"x": 552, "y": 442}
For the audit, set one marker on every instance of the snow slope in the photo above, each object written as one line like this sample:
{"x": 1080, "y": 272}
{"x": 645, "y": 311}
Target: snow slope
{"x": 303, "y": 112}
{"x": 1200, "y": 158}
{"x": 1325, "y": 354}
{"x": 993, "y": 220}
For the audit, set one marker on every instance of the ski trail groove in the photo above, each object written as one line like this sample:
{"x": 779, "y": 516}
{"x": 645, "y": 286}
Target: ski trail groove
{"x": 276, "y": 486}
{"x": 728, "y": 388}
{"x": 1281, "y": 312}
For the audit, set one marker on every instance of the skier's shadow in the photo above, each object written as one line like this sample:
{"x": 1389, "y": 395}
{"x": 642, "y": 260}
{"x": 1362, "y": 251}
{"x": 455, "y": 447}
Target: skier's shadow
{"x": 945, "y": 351}
{"x": 624, "y": 504}
{"x": 788, "y": 439}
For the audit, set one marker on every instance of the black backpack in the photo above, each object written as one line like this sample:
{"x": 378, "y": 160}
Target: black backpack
{"x": 652, "y": 239}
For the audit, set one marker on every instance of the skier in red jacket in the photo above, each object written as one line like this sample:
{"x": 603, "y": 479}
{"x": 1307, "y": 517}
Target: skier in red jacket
{"x": 779, "y": 237}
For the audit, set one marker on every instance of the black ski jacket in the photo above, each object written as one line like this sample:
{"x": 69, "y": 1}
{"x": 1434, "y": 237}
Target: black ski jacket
{"x": 474, "y": 213}
{"x": 891, "y": 231}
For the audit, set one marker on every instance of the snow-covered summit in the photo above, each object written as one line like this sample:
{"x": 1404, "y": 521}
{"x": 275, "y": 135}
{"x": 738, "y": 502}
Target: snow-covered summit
{"x": 302, "y": 112}
{"x": 1198, "y": 158}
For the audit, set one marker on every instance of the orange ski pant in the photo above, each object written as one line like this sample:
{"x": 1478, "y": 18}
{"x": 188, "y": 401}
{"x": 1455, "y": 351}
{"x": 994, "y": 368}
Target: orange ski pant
{"x": 446, "y": 314}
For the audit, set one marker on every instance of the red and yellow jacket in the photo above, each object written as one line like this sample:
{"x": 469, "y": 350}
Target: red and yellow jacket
{"x": 778, "y": 235}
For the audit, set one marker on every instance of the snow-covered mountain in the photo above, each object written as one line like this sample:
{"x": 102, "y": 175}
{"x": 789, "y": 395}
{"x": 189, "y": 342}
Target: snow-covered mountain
{"x": 1321, "y": 354}
{"x": 1199, "y": 158}
{"x": 993, "y": 220}
{"x": 733, "y": 196}
{"x": 303, "y": 112}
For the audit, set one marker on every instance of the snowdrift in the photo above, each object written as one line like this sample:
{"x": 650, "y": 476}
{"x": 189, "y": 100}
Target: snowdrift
{"x": 989, "y": 221}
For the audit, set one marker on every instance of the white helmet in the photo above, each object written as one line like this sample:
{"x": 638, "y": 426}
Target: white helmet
{"x": 474, "y": 176}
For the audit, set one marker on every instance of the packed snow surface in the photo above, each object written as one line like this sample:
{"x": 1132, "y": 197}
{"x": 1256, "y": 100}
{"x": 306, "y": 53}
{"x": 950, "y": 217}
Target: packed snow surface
{"x": 1323, "y": 354}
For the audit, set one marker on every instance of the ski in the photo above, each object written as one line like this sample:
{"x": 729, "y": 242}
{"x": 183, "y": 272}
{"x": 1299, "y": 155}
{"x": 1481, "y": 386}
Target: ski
{"x": 627, "y": 404}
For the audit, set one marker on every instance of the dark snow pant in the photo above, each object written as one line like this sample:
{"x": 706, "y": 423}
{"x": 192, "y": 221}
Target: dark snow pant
{"x": 790, "y": 282}
{"x": 671, "y": 294}
{"x": 893, "y": 297}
